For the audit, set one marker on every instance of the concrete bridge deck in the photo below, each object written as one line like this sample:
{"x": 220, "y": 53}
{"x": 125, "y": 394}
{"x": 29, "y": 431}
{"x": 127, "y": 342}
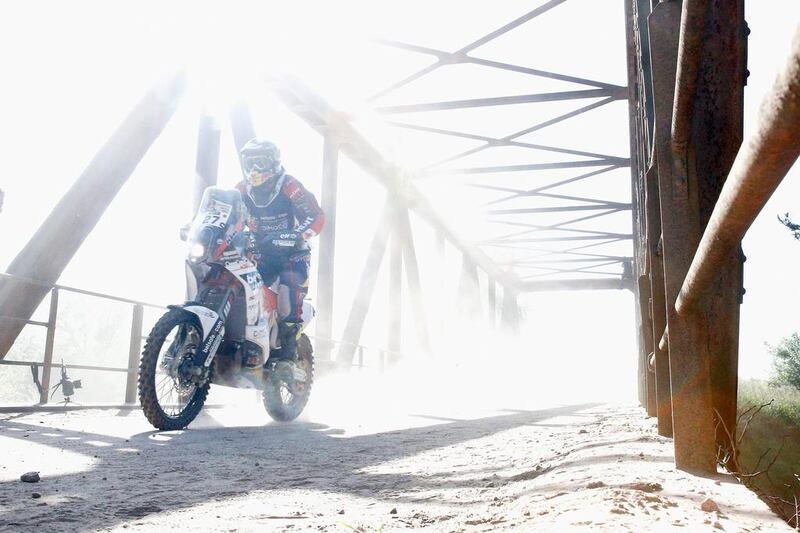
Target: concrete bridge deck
{"x": 364, "y": 466}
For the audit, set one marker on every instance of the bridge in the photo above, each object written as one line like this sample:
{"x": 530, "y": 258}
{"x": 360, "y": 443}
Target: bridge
{"x": 619, "y": 164}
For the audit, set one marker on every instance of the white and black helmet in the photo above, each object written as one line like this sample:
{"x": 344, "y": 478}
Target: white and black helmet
{"x": 261, "y": 156}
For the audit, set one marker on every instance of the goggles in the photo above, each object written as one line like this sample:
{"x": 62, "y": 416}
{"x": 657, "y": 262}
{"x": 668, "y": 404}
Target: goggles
{"x": 260, "y": 163}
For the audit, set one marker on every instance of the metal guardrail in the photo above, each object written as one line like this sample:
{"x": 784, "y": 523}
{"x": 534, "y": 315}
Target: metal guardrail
{"x": 50, "y": 325}
{"x": 135, "y": 347}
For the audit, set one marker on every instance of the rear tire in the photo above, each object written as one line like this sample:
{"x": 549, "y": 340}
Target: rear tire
{"x": 190, "y": 399}
{"x": 283, "y": 404}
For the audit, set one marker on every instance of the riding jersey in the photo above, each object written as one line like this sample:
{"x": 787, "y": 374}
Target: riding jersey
{"x": 287, "y": 207}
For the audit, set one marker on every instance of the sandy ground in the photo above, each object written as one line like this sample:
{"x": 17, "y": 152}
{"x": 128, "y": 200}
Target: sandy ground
{"x": 361, "y": 464}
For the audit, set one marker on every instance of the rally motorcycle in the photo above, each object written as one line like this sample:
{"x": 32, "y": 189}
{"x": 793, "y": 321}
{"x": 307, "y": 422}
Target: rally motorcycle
{"x": 226, "y": 330}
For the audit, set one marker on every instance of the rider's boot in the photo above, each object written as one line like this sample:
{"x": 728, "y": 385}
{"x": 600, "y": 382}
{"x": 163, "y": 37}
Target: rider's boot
{"x": 285, "y": 359}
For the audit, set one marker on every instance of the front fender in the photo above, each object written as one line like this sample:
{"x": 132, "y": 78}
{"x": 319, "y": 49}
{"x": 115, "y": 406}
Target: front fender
{"x": 213, "y": 330}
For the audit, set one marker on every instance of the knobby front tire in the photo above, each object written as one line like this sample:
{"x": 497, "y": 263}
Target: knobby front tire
{"x": 153, "y": 380}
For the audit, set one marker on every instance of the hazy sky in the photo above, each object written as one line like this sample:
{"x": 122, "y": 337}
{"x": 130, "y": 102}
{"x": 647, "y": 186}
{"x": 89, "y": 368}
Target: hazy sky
{"x": 78, "y": 67}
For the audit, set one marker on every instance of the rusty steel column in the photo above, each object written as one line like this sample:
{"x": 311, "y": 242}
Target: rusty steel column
{"x": 657, "y": 305}
{"x": 692, "y": 409}
{"x": 690, "y": 50}
{"x": 61, "y": 234}
{"x": 207, "y": 161}
{"x": 635, "y": 96}
{"x": 647, "y": 345}
{"x": 716, "y": 135}
{"x": 327, "y": 249}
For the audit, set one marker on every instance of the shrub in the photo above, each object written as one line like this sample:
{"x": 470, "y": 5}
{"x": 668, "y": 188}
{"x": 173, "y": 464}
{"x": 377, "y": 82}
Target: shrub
{"x": 786, "y": 355}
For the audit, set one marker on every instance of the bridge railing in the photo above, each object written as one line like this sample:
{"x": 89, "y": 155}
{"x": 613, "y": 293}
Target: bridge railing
{"x": 135, "y": 345}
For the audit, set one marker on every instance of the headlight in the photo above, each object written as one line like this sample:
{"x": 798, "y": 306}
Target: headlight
{"x": 197, "y": 251}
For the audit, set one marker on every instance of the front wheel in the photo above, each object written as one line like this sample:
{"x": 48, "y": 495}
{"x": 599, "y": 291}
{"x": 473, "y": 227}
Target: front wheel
{"x": 170, "y": 390}
{"x": 285, "y": 401}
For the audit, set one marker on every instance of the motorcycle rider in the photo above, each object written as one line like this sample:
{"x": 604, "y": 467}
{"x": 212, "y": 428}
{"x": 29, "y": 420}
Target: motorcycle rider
{"x": 281, "y": 215}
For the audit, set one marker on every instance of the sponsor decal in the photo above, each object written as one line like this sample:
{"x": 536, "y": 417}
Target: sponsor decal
{"x": 212, "y": 342}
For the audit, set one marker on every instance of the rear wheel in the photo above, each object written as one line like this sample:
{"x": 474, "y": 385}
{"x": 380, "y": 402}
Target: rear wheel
{"x": 283, "y": 400}
{"x": 172, "y": 390}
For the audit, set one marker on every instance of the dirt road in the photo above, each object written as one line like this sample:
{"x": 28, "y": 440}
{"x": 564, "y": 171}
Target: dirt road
{"x": 365, "y": 466}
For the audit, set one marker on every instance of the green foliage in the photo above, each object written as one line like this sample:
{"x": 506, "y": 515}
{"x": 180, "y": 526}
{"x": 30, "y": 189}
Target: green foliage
{"x": 785, "y": 400}
{"x": 786, "y": 363}
{"x": 770, "y": 444}
{"x": 794, "y": 228}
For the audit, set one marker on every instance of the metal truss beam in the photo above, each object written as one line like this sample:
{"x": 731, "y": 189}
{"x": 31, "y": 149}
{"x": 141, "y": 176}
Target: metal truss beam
{"x": 536, "y": 228}
{"x": 526, "y": 167}
{"x": 575, "y": 285}
{"x": 528, "y": 262}
{"x": 504, "y": 142}
{"x": 533, "y": 262}
{"x": 322, "y": 117}
{"x": 616, "y": 93}
{"x": 559, "y": 209}
{"x": 530, "y": 15}
{"x": 460, "y": 58}
{"x": 61, "y": 234}
{"x": 615, "y": 236}
{"x": 363, "y": 296}
{"x": 525, "y": 131}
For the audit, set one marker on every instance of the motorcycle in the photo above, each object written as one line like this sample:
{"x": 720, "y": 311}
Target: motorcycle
{"x": 225, "y": 331}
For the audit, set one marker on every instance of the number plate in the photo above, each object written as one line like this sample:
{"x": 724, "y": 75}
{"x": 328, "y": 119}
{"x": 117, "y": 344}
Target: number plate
{"x": 217, "y": 214}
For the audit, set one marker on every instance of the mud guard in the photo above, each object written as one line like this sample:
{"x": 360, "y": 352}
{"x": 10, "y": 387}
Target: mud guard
{"x": 213, "y": 328}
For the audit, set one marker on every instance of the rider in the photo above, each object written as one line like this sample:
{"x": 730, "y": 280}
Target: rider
{"x": 282, "y": 215}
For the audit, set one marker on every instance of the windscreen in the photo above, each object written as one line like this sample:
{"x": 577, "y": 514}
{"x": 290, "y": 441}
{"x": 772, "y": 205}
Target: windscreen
{"x": 216, "y": 225}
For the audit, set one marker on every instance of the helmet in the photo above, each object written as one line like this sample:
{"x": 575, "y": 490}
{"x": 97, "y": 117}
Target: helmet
{"x": 261, "y": 160}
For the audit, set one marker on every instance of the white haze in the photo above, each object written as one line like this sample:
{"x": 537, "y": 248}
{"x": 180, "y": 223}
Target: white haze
{"x": 79, "y": 67}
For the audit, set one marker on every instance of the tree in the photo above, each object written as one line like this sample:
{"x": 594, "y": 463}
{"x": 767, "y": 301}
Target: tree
{"x": 794, "y": 228}
{"x": 786, "y": 361}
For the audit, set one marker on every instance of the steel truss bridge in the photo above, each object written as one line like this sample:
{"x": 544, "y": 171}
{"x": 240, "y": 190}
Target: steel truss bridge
{"x": 664, "y": 220}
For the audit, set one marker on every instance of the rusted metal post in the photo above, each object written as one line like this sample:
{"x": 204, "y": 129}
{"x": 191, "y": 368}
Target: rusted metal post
{"x": 327, "y": 248}
{"x": 207, "y": 161}
{"x": 134, "y": 353}
{"x": 713, "y": 281}
{"x": 61, "y": 234}
{"x": 637, "y": 138}
{"x": 658, "y": 309}
{"x": 690, "y": 51}
{"x": 647, "y": 344}
{"x": 716, "y": 135}
{"x": 692, "y": 409}
{"x": 49, "y": 342}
